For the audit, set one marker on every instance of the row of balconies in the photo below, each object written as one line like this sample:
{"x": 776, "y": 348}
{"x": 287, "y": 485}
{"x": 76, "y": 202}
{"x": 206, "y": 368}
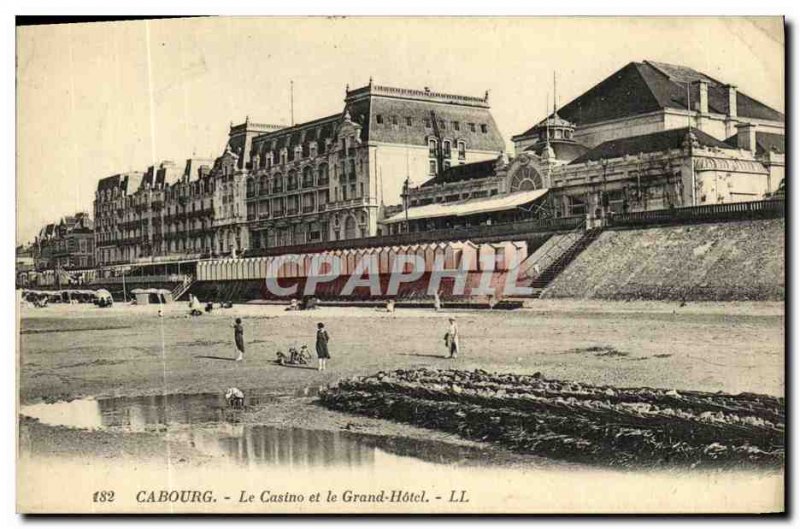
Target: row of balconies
{"x": 265, "y": 190}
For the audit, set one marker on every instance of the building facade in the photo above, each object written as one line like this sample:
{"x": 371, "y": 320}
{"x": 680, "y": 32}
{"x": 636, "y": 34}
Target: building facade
{"x": 162, "y": 212}
{"x": 331, "y": 178}
{"x": 630, "y": 144}
{"x": 274, "y": 186}
{"x": 65, "y": 245}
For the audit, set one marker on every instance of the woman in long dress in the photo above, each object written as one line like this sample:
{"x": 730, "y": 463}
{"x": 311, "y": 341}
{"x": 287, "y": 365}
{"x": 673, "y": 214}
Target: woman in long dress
{"x": 322, "y": 346}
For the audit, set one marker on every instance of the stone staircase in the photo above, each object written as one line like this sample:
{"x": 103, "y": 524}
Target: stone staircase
{"x": 562, "y": 260}
{"x": 550, "y": 259}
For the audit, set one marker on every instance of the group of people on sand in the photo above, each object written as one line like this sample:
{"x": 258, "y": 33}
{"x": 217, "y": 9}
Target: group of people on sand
{"x": 451, "y": 341}
{"x": 322, "y": 339}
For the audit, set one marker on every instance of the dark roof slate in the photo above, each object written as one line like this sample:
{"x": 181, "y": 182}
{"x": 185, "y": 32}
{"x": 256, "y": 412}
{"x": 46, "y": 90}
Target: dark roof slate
{"x": 419, "y": 111}
{"x": 643, "y": 87}
{"x": 659, "y": 141}
{"x": 463, "y": 172}
{"x": 765, "y": 142}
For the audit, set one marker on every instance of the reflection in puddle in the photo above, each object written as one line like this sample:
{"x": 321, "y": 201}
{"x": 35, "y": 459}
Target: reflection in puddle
{"x": 205, "y": 422}
{"x": 140, "y": 414}
{"x": 293, "y": 447}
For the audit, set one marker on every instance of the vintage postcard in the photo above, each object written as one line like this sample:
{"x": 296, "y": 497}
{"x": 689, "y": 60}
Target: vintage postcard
{"x": 401, "y": 265}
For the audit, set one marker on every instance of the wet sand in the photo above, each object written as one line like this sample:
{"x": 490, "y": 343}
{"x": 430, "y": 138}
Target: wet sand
{"x": 74, "y": 351}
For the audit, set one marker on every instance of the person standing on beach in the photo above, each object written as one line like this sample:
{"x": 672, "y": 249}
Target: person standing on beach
{"x": 322, "y": 346}
{"x": 238, "y": 337}
{"x": 451, "y": 339}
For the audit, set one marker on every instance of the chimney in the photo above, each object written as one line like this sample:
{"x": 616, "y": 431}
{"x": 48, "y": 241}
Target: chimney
{"x": 702, "y": 99}
{"x": 732, "y": 111}
{"x": 746, "y": 136}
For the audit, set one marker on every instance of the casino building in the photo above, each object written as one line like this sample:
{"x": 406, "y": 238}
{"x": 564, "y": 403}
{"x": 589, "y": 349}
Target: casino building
{"x": 650, "y": 136}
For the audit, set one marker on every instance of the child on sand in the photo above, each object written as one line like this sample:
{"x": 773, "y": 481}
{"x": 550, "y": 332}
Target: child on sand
{"x": 322, "y": 346}
{"x": 238, "y": 337}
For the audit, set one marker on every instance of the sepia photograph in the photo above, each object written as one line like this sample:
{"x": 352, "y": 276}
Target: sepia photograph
{"x": 401, "y": 265}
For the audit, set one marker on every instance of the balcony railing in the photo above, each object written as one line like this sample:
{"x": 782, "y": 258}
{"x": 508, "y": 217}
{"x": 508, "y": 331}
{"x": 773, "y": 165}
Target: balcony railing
{"x": 758, "y": 209}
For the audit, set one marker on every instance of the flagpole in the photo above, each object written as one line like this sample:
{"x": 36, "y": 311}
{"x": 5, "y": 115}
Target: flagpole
{"x": 691, "y": 161}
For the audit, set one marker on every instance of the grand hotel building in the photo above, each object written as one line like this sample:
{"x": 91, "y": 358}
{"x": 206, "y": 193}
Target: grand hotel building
{"x": 327, "y": 179}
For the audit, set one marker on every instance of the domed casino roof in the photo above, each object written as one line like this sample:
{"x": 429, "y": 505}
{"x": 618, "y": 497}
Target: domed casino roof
{"x": 553, "y": 120}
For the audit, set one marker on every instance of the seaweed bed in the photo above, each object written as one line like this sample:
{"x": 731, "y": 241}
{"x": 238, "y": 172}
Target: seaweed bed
{"x": 630, "y": 427}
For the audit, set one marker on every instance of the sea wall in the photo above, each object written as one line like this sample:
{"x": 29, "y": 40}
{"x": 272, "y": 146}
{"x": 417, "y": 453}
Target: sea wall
{"x": 723, "y": 261}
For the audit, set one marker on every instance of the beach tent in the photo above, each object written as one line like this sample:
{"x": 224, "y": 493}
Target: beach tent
{"x": 145, "y": 296}
{"x": 103, "y": 297}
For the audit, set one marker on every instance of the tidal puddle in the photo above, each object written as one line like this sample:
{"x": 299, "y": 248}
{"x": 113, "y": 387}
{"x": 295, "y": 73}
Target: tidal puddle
{"x": 207, "y": 424}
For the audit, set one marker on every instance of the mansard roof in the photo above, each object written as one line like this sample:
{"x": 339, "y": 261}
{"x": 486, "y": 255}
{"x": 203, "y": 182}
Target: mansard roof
{"x": 125, "y": 182}
{"x": 648, "y": 86}
{"x": 658, "y": 141}
{"x": 366, "y": 103}
{"x": 462, "y": 113}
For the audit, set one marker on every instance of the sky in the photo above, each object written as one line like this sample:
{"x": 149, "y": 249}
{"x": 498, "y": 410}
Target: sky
{"x": 98, "y": 99}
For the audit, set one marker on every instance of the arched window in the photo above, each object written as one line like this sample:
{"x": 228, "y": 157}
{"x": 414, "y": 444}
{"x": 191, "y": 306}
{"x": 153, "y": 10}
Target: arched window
{"x": 322, "y": 174}
{"x": 526, "y": 179}
{"x": 277, "y": 183}
{"x": 350, "y": 230}
{"x": 292, "y": 180}
{"x": 308, "y": 176}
